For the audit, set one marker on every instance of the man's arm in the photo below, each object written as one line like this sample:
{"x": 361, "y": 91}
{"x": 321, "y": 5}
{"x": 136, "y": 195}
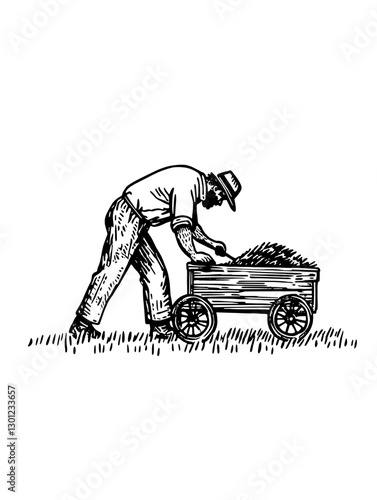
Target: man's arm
{"x": 185, "y": 241}
{"x": 200, "y": 236}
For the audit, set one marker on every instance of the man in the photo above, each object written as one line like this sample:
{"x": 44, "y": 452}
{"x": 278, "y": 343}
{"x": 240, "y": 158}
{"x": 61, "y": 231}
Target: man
{"x": 172, "y": 195}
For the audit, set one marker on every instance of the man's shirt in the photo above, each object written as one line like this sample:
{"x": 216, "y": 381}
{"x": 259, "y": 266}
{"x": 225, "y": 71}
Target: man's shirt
{"x": 170, "y": 194}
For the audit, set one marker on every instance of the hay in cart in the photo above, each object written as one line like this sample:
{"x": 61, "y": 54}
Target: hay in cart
{"x": 271, "y": 254}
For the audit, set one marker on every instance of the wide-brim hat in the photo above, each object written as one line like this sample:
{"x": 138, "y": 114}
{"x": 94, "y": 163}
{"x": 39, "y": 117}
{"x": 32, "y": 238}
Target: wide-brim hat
{"x": 230, "y": 186}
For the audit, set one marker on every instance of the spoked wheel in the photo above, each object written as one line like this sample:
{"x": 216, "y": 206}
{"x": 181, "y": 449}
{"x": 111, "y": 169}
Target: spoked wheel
{"x": 290, "y": 317}
{"x": 194, "y": 318}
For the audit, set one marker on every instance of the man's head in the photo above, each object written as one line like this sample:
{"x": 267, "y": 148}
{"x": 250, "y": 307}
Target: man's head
{"x": 224, "y": 186}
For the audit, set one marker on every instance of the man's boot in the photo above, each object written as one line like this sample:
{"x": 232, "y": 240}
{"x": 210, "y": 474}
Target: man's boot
{"x": 162, "y": 329}
{"x": 81, "y": 327}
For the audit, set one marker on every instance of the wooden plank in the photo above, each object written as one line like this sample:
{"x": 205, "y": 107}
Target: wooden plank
{"x": 315, "y": 297}
{"x": 190, "y": 281}
{"x": 248, "y": 285}
{"x": 250, "y": 303}
{"x": 262, "y": 274}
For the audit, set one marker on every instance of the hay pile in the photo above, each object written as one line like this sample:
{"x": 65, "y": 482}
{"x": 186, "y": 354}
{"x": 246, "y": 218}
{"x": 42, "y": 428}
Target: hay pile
{"x": 271, "y": 254}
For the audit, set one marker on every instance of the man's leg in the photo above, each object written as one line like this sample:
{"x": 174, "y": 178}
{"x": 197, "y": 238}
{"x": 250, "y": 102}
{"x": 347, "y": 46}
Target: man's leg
{"x": 123, "y": 231}
{"x": 156, "y": 287}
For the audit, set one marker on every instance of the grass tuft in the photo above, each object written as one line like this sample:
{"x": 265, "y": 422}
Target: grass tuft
{"x": 232, "y": 341}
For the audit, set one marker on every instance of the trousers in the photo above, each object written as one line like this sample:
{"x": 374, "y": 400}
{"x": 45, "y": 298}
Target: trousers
{"x": 128, "y": 243}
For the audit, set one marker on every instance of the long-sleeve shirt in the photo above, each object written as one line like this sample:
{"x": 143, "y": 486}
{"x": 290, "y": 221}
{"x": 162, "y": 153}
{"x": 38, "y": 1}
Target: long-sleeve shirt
{"x": 169, "y": 195}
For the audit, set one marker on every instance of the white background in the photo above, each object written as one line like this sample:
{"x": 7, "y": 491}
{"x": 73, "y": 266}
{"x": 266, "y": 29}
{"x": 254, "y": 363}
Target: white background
{"x": 313, "y": 183}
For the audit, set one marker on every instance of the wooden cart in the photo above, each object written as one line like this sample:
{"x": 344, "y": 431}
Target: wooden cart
{"x": 287, "y": 295}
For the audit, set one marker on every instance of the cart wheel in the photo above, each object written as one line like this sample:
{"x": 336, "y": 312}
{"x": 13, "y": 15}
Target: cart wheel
{"x": 290, "y": 317}
{"x": 193, "y": 318}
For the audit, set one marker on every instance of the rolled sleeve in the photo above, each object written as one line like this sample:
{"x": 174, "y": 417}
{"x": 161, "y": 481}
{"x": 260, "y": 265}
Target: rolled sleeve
{"x": 181, "y": 221}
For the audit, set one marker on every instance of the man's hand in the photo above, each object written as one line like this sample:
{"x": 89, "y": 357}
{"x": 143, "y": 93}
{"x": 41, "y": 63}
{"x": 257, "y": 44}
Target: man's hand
{"x": 202, "y": 258}
{"x": 184, "y": 238}
{"x": 220, "y": 248}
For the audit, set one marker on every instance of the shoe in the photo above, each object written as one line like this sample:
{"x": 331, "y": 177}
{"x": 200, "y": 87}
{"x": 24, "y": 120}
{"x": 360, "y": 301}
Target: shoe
{"x": 80, "y": 327}
{"x": 162, "y": 330}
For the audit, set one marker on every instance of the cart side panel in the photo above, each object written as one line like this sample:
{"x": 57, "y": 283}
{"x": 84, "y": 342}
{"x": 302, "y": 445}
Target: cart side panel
{"x": 231, "y": 288}
{"x": 257, "y": 301}
{"x": 268, "y": 275}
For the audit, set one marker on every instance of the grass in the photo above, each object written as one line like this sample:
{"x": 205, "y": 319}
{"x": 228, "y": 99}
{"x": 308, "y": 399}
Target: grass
{"x": 232, "y": 341}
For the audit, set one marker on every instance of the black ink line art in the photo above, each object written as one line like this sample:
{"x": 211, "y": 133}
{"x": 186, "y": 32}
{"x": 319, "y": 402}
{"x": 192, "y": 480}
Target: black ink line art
{"x": 233, "y": 341}
{"x": 287, "y": 295}
{"x": 171, "y": 194}
{"x": 268, "y": 279}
